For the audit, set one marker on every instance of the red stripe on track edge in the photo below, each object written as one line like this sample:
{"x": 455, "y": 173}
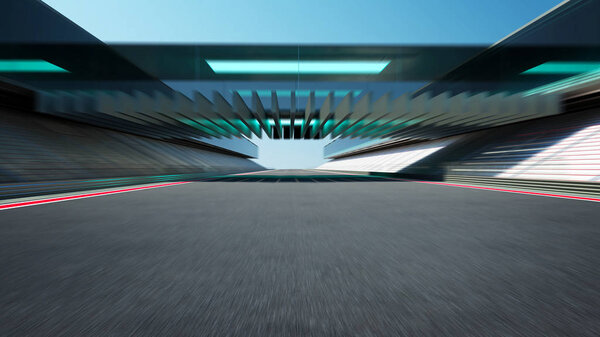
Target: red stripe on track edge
{"x": 81, "y": 196}
{"x": 564, "y": 196}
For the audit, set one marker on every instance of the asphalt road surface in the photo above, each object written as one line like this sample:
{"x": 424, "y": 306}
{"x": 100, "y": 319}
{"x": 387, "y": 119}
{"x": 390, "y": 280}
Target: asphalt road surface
{"x": 307, "y": 258}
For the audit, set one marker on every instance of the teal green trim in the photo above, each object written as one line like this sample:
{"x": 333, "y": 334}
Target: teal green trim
{"x": 565, "y": 83}
{"x": 563, "y": 67}
{"x": 299, "y": 93}
{"x": 296, "y": 67}
{"x": 29, "y": 66}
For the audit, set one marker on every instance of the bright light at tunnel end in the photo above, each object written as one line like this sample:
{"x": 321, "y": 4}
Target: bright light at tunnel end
{"x": 295, "y": 67}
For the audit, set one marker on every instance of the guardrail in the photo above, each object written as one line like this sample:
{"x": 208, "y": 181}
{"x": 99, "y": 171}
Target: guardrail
{"x": 29, "y": 189}
{"x": 561, "y": 186}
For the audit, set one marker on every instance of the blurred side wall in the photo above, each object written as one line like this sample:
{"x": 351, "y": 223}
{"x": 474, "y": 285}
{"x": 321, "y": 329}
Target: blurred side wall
{"x": 35, "y": 147}
{"x": 564, "y": 147}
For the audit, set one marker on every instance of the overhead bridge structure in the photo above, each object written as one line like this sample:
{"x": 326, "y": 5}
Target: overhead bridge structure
{"x": 407, "y": 117}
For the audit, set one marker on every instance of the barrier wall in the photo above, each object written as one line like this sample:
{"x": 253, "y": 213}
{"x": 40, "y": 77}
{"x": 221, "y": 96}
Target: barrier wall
{"x": 389, "y": 160}
{"x": 564, "y": 147}
{"x": 35, "y": 147}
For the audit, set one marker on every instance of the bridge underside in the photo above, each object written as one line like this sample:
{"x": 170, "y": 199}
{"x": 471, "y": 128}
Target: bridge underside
{"x": 405, "y": 117}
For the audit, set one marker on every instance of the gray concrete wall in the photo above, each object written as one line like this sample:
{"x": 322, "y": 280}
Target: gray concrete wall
{"x": 34, "y": 147}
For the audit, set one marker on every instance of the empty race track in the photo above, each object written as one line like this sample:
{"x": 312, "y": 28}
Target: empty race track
{"x": 302, "y": 257}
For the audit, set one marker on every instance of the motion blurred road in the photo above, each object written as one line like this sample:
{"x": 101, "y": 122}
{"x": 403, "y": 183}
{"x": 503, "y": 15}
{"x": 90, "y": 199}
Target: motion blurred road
{"x": 308, "y": 257}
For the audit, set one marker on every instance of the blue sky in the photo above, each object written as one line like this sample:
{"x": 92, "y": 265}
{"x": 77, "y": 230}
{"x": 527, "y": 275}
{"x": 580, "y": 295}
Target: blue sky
{"x": 306, "y": 21}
